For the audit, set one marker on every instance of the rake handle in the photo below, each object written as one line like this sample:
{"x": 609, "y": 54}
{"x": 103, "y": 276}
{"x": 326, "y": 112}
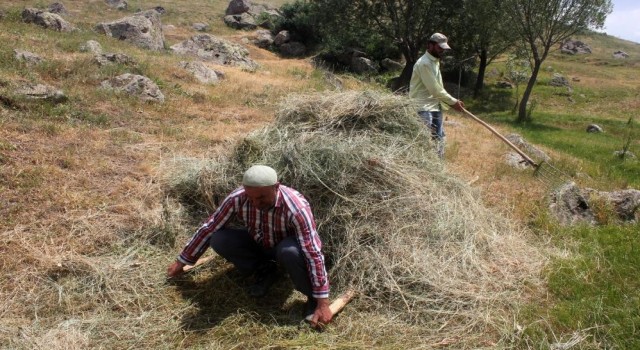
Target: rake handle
{"x": 504, "y": 139}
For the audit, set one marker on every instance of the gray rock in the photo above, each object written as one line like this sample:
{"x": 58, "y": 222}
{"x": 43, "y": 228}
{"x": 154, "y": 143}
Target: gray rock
{"x": 558, "y": 80}
{"x": 136, "y": 85}
{"x": 29, "y": 58}
{"x": 570, "y": 206}
{"x": 516, "y": 161}
{"x": 624, "y": 154}
{"x": 620, "y": 55}
{"x": 241, "y": 21}
{"x": 91, "y": 46}
{"x": 504, "y": 85}
{"x": 594, "y": 128}
{"x": 58, "y": 8}
{"x": 390, "y": 65}
{"x": 527, "y": 148}
{"x": 210, "y": 48}
{"x": 41, "y": 92}
{"x": 201, "y": 72}
{"x": 118, "y": 4}
{"x": 264, "y": 39}
{"x": 282, "y": 37}
{"x": 201, "y": 27}
{"x": 363, "y": 65}
{"x": 143, "y": 29}
{"x": 114, "y": 58}
{"x": 575, "y": 47}
{"x": 237, "y": 7}
{"x": 47, "y": 20}
{"x": 168, "y": 28}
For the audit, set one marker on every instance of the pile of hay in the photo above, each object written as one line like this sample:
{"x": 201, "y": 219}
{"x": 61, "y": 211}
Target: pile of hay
{"x": 413, "y": 239}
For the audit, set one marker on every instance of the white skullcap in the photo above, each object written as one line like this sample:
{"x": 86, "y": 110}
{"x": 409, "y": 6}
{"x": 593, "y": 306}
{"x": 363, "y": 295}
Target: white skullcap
{"x": 260, "y": 176}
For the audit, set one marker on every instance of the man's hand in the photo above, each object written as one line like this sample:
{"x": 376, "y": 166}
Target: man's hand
{"x": 175, "y": 269}
{"x": 458, "y": 106}
{"x": 322, "y": 315}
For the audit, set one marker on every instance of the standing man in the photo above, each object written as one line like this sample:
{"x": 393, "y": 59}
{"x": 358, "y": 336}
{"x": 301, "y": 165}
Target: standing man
{"x": 427, "y": 91}
{"x": 279, "y": 230}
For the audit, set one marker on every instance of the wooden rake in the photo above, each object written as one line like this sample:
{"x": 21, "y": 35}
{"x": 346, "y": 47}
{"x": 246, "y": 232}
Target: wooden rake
{"x": 544, "y": 171}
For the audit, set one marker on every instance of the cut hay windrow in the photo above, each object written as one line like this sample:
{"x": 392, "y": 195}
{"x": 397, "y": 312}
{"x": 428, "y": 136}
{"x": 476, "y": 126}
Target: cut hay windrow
{"x": 414, "y": 240}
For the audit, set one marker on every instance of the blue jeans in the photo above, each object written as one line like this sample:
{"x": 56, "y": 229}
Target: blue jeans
{"x": 434, "y": 119}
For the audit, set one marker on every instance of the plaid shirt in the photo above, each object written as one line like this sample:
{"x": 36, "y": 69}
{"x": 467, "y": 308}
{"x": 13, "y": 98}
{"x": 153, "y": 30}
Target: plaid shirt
{"x": 290, "y": 216}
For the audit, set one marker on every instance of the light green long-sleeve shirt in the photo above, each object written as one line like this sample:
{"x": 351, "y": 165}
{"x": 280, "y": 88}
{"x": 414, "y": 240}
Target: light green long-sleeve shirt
{"x": 426, "y": 89}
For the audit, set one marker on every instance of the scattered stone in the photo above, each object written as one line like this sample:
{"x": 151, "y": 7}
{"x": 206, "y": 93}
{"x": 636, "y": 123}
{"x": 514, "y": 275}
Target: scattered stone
{"x": 118, "y": 4}
{"x": 558, "y": 80}
{"x": 91, "y": 46}
{"x": 620, "y": 55}
{"x": 575, "y": 47}
{"x": 624, "y": 154}
{"x": 47, "y": 20}
{"x": 242, "y": 21}
{"x": 594, "y": 128}
{"x": 202, "y": 73}
{"x": 201, "y": 27}
{"x": 114, "y": 58}
{"x": 42, "y": 92}
{"x": 168, "y": 27}
{"x": 282, "y": 37}
{"x": 504, "y": 85}
{"x": 576, "y": 79}
{"x": 137, "y": 85}
{"x": 27, "y": 57}
{"x": 210, "y": 48}
{"x": 237, "y": 7}
{"x": 515, "y": 161}
{"x": 58, "y": 8}
{"x": 160, "y": 10}
{"x": 143, "y": 29}
{"x": 527, "y": 148}
{"x": 390, "y": 65}
{"x": 264, "y": 39}
{"x": 363, "y": 65}
{"x": 570, "y": 206}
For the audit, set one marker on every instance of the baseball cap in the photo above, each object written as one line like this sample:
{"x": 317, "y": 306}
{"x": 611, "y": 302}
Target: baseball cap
{"x": 441, "y": 40}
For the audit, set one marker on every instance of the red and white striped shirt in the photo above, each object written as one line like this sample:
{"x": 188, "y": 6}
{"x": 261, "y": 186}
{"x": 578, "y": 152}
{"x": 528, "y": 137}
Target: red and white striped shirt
{"x": 290, "y": 216}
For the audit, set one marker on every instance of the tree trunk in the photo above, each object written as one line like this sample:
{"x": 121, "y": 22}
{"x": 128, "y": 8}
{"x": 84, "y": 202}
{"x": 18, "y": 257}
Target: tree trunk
{"x": 522, "y": 110}
{"x": 401, "y": 84}
{"x": 481, "y": 71}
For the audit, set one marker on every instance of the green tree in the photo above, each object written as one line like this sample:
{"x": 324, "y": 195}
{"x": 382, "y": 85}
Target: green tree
{"x": 542, "y": 24}
{"x": 405, "y": 23}
{"x": 486, "y": 33}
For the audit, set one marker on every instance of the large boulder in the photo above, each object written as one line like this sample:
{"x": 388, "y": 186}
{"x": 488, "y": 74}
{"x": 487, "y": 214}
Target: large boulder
{"x": 571, "y": 204}
{"x": 263, "y": 38}
{"x": 27, "y": 57}
{"x": 41, "y": 92}
{"x": 574, "y": 47}
{"x": 620, "y": 54}
{"x": 58, "y": 8}
{"x": 201, "y": 72}
{"x": 237, "y": 7}
{"x": 390, "y": 65}
{"x": 143, "y": 29}
{"x": 91, "y": 46}
{"x": 213, "y": 49}
{"x": 558, "y": 80}
{"x": 527, "y": 148}
{"x": 240, "y": 21}
{"x": 47, "y": 20}
{"x": 363, "y": 65}
{"x": 136, "y": 85}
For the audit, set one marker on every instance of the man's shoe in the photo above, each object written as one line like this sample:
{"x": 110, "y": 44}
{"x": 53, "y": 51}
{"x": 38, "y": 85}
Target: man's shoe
{"x": 266, "y": 276}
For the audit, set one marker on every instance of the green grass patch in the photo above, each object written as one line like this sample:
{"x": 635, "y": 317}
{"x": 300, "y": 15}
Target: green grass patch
{"x": 594, "y": 291}
{"x": 567, "y": 134}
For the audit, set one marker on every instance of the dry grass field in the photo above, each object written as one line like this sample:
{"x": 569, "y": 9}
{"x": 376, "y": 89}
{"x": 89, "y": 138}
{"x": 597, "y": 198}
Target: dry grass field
{"x": 87, "y": 226}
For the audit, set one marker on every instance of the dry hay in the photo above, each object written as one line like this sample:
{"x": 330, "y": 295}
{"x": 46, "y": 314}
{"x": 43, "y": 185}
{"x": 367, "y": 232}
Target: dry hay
{"x": 415, "y": 241}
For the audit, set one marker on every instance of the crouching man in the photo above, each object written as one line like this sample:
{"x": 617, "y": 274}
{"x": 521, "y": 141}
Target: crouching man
{"x": 280, "y": 231}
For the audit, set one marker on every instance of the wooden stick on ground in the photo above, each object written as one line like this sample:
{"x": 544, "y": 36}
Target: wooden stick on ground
{"x": 200, "y": 262}
{"x": 339, "y": 303}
